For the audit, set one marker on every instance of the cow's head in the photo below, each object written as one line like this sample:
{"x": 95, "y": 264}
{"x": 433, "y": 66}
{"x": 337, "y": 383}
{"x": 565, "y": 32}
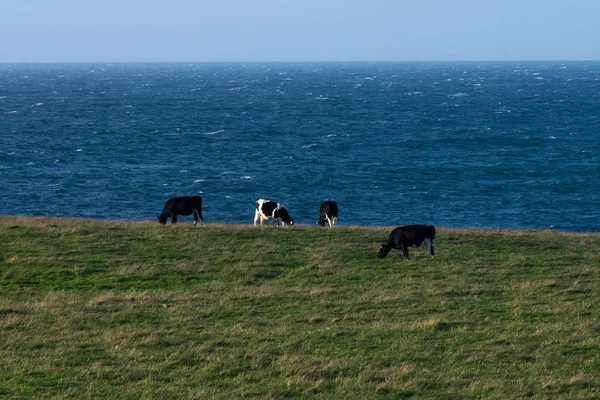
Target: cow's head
{"x": 383, "y": 251}
{"x": 320, "y": 222}
{"x": 162, "y": 219}
{"x": 284, "y": 215}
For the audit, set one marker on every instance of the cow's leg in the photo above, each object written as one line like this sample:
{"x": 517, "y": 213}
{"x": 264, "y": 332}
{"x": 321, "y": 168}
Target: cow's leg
{"x": 333, "y": 221}
{"x": 328, "y": 220}
{"x": 427, "y": 243}
{"x": 405, "y": 251}
{"x": 201, "y": 219}
{"x": 174, "y": 218}
{"x": 433, "y": 248}
{"x": 195, "y": 215}
{"x": 256, "y": 217}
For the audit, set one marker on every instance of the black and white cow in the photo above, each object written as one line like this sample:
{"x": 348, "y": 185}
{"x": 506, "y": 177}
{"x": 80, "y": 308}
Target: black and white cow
{"x": 328, "y": 212}
{"x": 266, "y": 209}
{"x": 410, "y": 235}
{"x": 184, "y": 205}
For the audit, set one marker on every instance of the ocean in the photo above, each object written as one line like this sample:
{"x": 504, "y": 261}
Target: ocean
{"x": 454, "y": 144}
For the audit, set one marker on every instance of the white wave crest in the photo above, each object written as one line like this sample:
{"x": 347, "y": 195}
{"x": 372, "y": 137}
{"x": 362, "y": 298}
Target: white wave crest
{"x": 215, "y": 132}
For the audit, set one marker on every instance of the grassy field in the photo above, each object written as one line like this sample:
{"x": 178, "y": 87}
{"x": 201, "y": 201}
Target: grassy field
{"x": 116, "y": 309}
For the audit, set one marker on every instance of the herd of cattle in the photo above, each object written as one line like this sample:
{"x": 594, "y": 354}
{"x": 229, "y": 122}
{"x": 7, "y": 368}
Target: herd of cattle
{"x": 400, "y": 238}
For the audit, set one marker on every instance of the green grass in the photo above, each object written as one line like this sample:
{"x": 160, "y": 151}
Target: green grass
{"x": 116, "y": 309}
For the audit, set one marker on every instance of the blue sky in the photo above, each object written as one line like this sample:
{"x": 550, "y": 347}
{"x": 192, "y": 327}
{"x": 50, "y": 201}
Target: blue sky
{"x": 298, "y": 30}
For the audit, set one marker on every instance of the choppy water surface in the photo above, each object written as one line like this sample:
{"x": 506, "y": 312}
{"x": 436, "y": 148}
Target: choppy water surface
{"x": 507, "y": 145}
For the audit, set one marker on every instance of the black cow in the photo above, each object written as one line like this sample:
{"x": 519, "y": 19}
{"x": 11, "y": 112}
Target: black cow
{"x": 266, "y": 209}
{"x": 328, "y": 212}
{"x": 410, "y": 235}
{"x": 184, "y": 205}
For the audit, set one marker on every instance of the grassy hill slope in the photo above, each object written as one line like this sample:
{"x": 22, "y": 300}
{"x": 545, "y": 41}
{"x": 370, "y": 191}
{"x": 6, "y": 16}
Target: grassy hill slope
{"x": 97, "y": 309}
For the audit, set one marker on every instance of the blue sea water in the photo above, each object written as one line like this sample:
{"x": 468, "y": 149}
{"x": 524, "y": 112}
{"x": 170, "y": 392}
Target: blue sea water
{"x": 503, "y": 145}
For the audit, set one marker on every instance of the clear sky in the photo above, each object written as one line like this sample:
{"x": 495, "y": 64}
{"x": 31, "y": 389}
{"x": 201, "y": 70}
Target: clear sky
{"x": 298, "y": 30}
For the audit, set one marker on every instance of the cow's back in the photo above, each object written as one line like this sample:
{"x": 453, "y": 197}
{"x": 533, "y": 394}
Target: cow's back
{"x": 190, "y": 203}
{"x": 184, "y": 204}
{"x": 408, "y": 234}
{"x": 266, "y": 207}
{"x": 329, "y": 208}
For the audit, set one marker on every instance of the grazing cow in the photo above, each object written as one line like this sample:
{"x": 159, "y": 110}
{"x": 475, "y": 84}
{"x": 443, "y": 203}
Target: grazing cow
{"x": 328, "y": 212}
{"x": 410, "y": 235}
{"x": 266, "y": 209}
{"x": 184, "y": 205}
